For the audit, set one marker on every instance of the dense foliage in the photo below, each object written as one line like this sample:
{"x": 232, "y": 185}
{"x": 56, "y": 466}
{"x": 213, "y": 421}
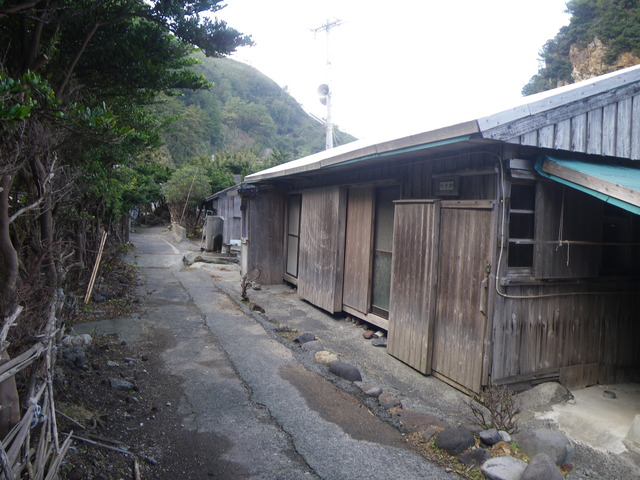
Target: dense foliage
{"x": 616, "y": 23}
{"x": 244, "y": 113}
{"x": 78, "y": 139}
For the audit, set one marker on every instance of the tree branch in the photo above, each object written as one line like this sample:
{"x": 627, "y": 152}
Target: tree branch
{"x": 76, "y": 59}
{"x": 22, "y": 6}
{"x": 26, "y": 209}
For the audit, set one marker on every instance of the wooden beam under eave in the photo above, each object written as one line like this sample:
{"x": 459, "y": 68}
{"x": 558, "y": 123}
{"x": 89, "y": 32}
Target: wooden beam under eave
{"x": 612, "y": 189}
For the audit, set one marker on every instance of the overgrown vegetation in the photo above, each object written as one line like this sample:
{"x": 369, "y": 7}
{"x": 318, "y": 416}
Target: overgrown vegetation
{"x": 496, "y": 407}
{"x": 245, "y": 114}
{"x": 616, "y": 23}
{"x": 77, "y": 147}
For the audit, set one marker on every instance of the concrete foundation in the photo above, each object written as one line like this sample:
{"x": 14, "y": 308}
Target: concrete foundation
{"x": 604, "y": 417}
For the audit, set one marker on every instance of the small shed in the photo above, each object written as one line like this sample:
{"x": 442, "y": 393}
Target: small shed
{"x": 503, "y": 250}
{"x": 226, "y": 204}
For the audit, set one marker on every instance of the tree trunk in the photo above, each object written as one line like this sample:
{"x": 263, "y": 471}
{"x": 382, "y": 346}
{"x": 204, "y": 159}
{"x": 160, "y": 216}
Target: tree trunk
{"x": 9, "y": 401}
{"x": 8, "y": 254}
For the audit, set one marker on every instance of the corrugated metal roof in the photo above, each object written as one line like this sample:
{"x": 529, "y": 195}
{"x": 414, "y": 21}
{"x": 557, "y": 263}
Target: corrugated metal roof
{"x": 533, "y": 106}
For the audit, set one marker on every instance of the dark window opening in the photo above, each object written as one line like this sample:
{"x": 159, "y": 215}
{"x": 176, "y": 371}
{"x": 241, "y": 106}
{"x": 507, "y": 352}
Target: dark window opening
{"x": 620, "y": 235}
{"x": 521, "y": 225}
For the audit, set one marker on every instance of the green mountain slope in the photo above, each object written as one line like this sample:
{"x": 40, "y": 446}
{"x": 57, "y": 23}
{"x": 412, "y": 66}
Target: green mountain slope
{"x": 245, "y": 111}
{"x": 602, "y": 36}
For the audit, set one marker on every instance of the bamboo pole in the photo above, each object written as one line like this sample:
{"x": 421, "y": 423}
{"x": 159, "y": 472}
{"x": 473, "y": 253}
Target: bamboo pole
{"x": 136, "y": 469}
{"x": 9, "y": 321}
{"x": 7, "y": 472}
{"x": 95, "y": 268}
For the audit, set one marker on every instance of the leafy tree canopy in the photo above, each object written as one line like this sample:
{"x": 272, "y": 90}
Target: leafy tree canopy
{"x": 76, "y": 79}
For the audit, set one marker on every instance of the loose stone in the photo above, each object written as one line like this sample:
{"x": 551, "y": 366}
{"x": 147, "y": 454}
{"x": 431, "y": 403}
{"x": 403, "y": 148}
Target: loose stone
{"x": 455, "y": 440}
{"x": 346, "y": 371}
{"x": 541, "y": 466}
{"x": 555, "y": 444}
{"x": 304, "y": 338}
{"x": 503, "y": 468}
{"x": 119, "y": 384}
{"x": 369, "y": 389}
{"x": 490, "y": 437}
{"x": 325, "y": 357}
{"x": 368, "y": 334}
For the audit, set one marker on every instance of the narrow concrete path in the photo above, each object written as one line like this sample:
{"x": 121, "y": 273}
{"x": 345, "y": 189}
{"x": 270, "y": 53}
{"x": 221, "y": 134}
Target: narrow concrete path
{"x": 281, "y": 420}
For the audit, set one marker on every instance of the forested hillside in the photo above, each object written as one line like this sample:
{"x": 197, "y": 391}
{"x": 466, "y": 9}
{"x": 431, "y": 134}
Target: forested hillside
{"x": 243, "y": 114}
{"x": 602, "y": 36}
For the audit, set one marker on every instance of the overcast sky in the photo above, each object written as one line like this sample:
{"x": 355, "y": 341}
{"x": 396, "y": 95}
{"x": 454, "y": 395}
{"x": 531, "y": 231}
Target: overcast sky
{"x": 398, "y": 66}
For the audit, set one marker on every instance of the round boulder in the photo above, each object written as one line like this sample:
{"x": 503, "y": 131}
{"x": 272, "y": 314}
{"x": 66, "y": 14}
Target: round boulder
{"x": 346, "y": 371}
{"x": 304, "y": 338}
{"x": 490, "y": 437}
{"x": 552, "y": 442}
{"x": 503, "y": 468}
{"x": 541, "y": 466}
{"x": 454, "y": 441}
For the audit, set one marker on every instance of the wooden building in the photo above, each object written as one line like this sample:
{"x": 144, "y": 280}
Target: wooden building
{"x": 226, "y": 204}
{"x": 503, "y": 250}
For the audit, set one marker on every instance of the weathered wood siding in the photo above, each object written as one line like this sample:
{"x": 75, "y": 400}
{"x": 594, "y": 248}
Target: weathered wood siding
{"x": 606, "y": 124}
{"x": 229, "y": 208}
{"x": 563, "y": 213}
{"x": 322, "y": 239}
{"x": 413, "y": 275}
{"x": 465, "y": 254}
{"x": 579, "y": 337}
{"x": 266, "y": 238}
{"x": 359, "y": 239}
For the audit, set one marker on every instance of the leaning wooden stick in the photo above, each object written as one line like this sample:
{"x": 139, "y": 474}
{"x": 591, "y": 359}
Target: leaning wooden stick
{"x": 136, "y": 469}
{"x": 95, "y": 268}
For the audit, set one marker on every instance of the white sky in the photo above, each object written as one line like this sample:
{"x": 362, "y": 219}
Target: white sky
{"x": 398, "y": 66}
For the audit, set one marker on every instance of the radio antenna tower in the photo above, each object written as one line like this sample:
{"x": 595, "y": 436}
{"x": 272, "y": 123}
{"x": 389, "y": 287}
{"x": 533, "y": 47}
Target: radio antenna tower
{"x": 324, "y": 90}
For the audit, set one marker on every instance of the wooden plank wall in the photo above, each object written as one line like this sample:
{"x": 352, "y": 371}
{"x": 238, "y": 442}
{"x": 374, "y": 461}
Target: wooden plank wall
{"x": 322, "y": 236}
{"x": 413, "y": 274}
{"x": 266, "y": 240}
{"x": 542, "y": 336}
{"x": 460, "y": 326}
{"x": 229, "y": 209}
{"x": 473, "y": 185}
{"x": 359, "y": 240}
{"x": 608, "y": 124}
